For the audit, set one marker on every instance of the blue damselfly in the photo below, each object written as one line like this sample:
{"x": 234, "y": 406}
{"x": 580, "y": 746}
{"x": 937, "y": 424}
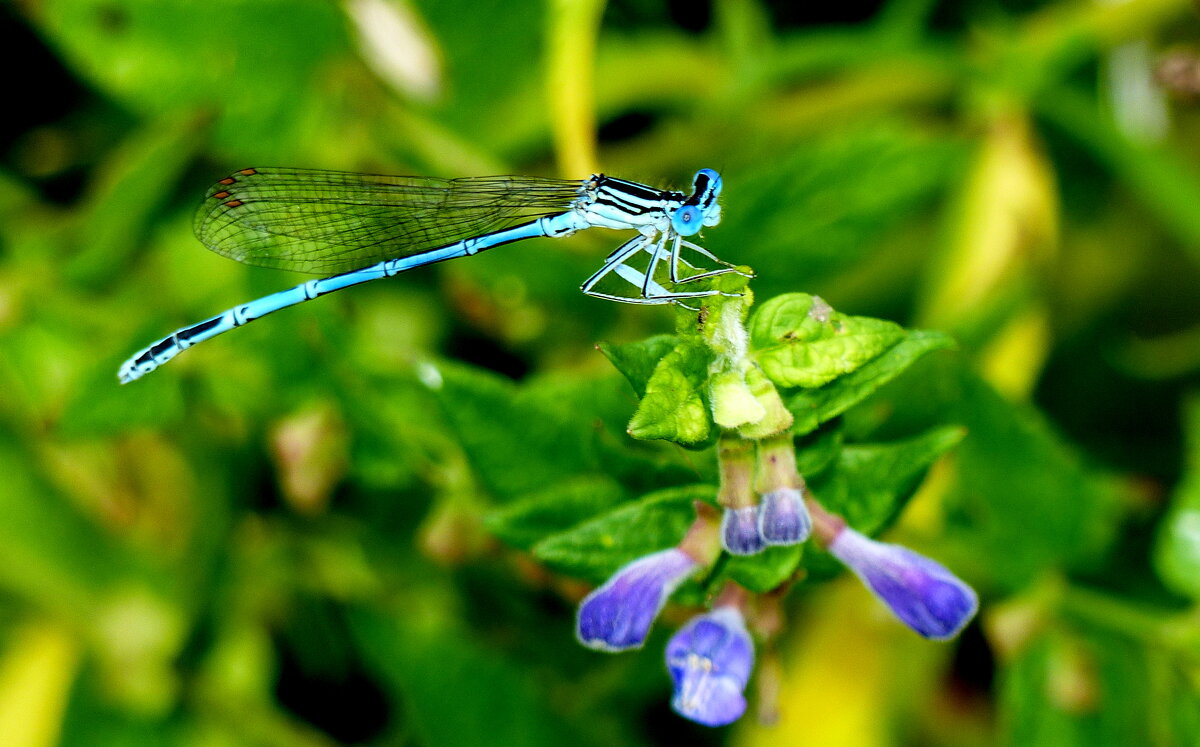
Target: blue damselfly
{"x": 361, "y": 227}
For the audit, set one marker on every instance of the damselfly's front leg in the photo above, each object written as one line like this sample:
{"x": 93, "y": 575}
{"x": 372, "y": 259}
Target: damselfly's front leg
{"x": 676, "y": 260}
{"x": 651, "y": 291}
{"x": 615, "y": 263}
{"x": 658, "y": 294}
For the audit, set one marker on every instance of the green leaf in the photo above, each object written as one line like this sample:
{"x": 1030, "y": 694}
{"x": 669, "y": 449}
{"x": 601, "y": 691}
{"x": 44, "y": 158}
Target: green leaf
{"x": 598, "y": 410}
{"x": 482, "y": 47}
{"x": 800, "y": 341}
{"x": 1182, "y": 696}
{"x": 596, "y": 548}
{"x": 869, "y": 485}
{"x": 454, "y": 690}
{"x": 518, "y": 441}
{"x": 637, "y": 360}
{"x": 1031, "y": 500}
{"x": 817, "y": 406}
{"x": 1163, "y": 178}
{"x": 527, "y": 521}
{"x": 1177, "y": 547}
{"x": 673, "y": 407}
{"x": 817, "y": 451}
{"x": 1023, "y": 499}
{"x": 824, "y": 204}
{"x": 132, "y": 186}
{"x": 156, "y": 57}
{"x": 52, "y": 554}
{"x": 100, "y": 405}
{"x": 1048, "y": 693}
{"x": 767, "y": 570}
{"x": 1177, "y": 552}
{"x": 645, "y": 466}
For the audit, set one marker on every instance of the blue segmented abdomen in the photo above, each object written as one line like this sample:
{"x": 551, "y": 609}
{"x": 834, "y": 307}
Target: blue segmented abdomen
{"x": 153, "y": 356}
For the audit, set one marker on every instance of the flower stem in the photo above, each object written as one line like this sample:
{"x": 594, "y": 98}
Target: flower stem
{"x": 826, "y": 526}
{"x": 777, "y": 464}
{"x": 702, "y": 543}
{"x": 735, "y": 459}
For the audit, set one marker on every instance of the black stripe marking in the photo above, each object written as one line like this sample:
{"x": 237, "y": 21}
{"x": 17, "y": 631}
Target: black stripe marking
{"x": 633, "y": 189}
{"x": 200, "y": 328}
{"x": 624, "y": 207}
{"x": 157, "y": 350}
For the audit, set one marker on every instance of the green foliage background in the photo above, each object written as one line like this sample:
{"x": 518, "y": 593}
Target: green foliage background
{"x": 330, "y": 526}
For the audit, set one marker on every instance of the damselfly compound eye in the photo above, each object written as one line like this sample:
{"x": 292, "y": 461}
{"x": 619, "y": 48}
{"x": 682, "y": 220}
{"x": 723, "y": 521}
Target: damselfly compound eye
{"x": 687, "y": 220}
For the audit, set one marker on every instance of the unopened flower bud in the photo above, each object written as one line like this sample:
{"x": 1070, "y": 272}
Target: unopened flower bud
{"x": 618, "y": 615}
{"x": 921, "y": 592}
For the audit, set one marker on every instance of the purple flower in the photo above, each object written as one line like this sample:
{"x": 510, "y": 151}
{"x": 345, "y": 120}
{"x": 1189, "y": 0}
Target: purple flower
{"x": 739, "y": 531}
{"x": 617, "y": 616}
{"x": 782, "y": 517}
{"x": 922, "y": 593}
{"x": 710, "y": 660}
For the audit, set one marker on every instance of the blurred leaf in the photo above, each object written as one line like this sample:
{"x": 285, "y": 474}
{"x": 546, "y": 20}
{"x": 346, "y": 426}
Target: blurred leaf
{"x": 814, "y": 407}
{"x": 1063, "y": 690}
{"x": 800, "y": 341}
{"x": 1005, "y": 225}
{"x": 130, "y": 188}
{"x": 596, "y": 548}
{"x": 48, "y": 552}
{"x": 816, "y": 207}
{"x": 1022, "y": 499}
{"x": 640, "y": 466}
{"x": 101, "y": 405}
{"x": 310, "y": 453}
{"x": 484, "y": 46}
{"x": 35, "y": 680}
{"x": 92, "y": 721}
{"x": 518, "y": 440}
{"x": 1177, "y": 547}
{"x": 869, "y": 484}
{"x": 398, "y": 429}
{"x": 248, "y": 59}
{"x": 397, "y": 46}
{"x": 1182, "y": 696}
{"x": 1031, "y": 501}
{"x": 673, "y": 407}
{"x": 454, "y": 690}
{"x": 556, "y": 509}
{"x": 818, "y": 450}
{"x": 1160, "y": 177}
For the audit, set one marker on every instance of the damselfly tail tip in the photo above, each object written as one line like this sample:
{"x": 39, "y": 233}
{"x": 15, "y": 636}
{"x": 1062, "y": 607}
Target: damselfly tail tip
{"x": 129, "y": 371}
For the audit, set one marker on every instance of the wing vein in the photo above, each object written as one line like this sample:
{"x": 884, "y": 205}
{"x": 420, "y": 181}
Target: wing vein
{"x": 326, "y": 222}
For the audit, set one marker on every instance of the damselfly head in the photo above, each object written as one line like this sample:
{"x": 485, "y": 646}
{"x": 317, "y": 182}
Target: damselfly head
{"x": 702, "y": 208}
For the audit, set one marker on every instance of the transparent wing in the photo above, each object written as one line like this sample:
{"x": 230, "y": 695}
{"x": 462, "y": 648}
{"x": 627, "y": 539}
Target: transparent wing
{"x": 325, "y": 222}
